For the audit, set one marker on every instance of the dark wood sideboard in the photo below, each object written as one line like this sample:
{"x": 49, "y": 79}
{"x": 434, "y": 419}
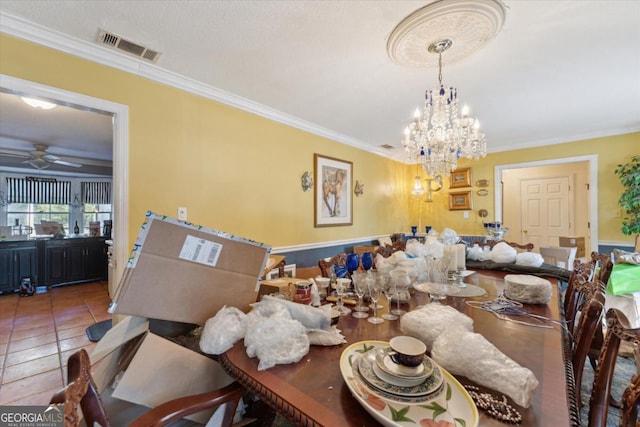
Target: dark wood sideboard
{"x": 52, "y": 262}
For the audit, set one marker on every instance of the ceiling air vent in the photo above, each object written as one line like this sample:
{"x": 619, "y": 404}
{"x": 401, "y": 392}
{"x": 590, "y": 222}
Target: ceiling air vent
{"x": 387, "y": 146}
{"x": 116, "y": 42}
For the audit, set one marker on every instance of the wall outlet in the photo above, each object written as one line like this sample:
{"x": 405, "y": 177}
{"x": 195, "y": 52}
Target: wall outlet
{"x": 182, "y": 214}
{"x": 465, "y": 214}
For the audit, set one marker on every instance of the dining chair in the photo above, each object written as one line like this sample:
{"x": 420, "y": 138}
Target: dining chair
{"x": 325, "y": 264}
{"x": 573, "y": 297}
{"x": 618, "y": 329}
{"x": 590, "y": 320}
{"x": 81, "y": 392}
{"x": 603, "y": 265}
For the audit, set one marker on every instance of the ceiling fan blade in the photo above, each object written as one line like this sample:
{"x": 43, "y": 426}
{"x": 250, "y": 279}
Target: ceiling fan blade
{"x": 39, "y": 163}
{"x": 64, "y": 163}
{"x": 50, "y": 157}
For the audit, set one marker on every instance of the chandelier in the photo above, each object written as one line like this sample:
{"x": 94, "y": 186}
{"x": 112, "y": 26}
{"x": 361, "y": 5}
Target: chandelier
{"x": 442, "y": 133}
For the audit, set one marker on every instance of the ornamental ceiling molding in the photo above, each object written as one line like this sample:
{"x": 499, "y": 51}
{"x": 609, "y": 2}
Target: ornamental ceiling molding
{"x": 469, "y": 24}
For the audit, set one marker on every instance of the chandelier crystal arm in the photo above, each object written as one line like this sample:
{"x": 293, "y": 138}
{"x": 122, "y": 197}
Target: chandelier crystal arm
{"x": 441, "y": 134}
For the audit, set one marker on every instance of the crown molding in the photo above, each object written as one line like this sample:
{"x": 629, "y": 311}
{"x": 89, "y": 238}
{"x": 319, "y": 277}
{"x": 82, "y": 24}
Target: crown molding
{"x": 29, "y": 31}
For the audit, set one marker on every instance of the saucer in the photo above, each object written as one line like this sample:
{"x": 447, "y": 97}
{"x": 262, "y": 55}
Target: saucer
{"x": 384, "y": 363}
{"x": 395, "y": 380}
{"x": 427, "y": 388}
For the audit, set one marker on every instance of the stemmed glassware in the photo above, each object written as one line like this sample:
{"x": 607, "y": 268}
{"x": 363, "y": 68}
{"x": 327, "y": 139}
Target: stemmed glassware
{"x": 341, "y": 285}
{"x": 367, "y": 260}
{"x": 439, "y": 288}
{"x": 360, "y": 286}
{"x": 401, "y": 283}
{"x": 388, "y": 288}
{"x": 374, "y": 286}
{"x": 353, "y": 261}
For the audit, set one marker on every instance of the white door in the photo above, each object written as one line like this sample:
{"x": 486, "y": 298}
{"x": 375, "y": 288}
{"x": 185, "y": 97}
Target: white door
{"x": 545, "y": 208}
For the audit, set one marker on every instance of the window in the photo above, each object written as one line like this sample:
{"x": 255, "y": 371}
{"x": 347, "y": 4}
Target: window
{"x": 21, "y": 215}
{"x": 95, "y": 213}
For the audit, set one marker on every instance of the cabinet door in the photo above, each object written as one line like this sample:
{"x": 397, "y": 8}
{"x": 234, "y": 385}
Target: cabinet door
{"x": 6, "y": 271}
{"x": 75, "y": 262}
{"x": 24, "y": 264}
{"x": 95, "y": 260}
{"x": 56, "y": 265}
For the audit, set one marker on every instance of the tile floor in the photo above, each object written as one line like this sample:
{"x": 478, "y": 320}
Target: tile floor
{"x": 37, "y": 335}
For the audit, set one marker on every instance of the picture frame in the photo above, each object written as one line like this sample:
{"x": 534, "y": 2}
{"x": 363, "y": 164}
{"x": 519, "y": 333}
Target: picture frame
{"x": 273, "y": 274}
{"x": 290, "y": 270}
{"x": 460, "y": 201}
{"x": 333, "y": 195}
{"x": 460, "y": 178}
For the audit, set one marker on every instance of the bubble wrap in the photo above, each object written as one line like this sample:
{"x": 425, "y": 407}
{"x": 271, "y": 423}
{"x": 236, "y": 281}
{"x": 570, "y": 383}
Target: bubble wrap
{"x": 431, "y": 320}
{"x": 476, "y": 253}
{"x": 223, "y": 330}
{"x": 449, "y": 236}
{"x": 469, "y": 354}
{"x": 275, "y": 340}
{"x": 503, "y": 253}
{"x": 530, "y": 259}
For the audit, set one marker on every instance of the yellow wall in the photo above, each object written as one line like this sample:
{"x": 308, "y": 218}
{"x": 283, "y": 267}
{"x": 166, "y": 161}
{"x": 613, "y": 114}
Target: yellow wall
{"x": 234, "y": 171}
{"x": 241, "y": 173}
{"x": 611, "y": 151}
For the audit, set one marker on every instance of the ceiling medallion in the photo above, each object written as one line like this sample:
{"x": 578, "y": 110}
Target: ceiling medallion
{"x": 469, "y": 24}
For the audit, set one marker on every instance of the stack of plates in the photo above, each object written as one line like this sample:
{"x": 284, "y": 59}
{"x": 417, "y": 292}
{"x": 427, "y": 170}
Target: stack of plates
{"x": 379, "y": 371}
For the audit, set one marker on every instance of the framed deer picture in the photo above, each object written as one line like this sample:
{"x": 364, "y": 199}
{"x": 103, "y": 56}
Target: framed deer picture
{"x": 333, "y": 184}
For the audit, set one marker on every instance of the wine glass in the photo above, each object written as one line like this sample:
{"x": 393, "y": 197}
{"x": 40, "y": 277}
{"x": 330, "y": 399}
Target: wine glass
{"x": 367, "y": 260}
{"x": 401, "y": 283}
{"x": 341, "y": 285}
{"x": 439, "y": 273}
{"x": 374, "y": 293}
{"x": 353, "y": 261}
{"x": 360, "y": 287}
{"x": 388, "y": 288}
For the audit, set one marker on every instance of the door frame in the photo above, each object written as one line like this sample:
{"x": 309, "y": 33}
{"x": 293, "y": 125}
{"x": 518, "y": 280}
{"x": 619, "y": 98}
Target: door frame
{"x": 592, "y": 160}
{"x": 120, "y": 177}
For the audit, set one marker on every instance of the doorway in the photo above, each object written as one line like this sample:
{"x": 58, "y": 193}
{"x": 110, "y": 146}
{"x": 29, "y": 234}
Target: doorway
{"x": 548, "y": 199}
{"x": 120, "y": 154}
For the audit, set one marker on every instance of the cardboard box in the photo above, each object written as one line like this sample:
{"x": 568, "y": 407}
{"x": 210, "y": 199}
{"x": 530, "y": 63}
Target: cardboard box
{"x": 186, "y": 273}
{"x": 156, "y": 370}
{"x": 571, "y": 242}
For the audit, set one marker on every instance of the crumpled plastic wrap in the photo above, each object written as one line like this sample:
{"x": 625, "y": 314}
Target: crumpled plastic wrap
{"x": 276, "y": 340}
{"x": 449, "y": 236}
{"x": 310, "y": 317}
{"x": 326, "y": 338}
{"x": 433, "y": 247}
{"x": 223, "y": 330}
{"x": 530, "y": 259}
{"x": 415, "y": 248}
{"x": 430, "y": 321}
{"x": 502, "y": 253}
{"x": 476, "y": 253}
{"x": 397, "y": 257}
{"x": 466, "y": 353}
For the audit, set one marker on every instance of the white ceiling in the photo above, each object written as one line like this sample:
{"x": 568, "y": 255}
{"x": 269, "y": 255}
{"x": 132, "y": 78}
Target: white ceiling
{"x": 558, "y": 71}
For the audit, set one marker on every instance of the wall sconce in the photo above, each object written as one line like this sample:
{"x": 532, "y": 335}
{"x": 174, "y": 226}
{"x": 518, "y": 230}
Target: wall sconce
{"x": 431, "y": 188}
{"x": 307, "y": 181}
{"x": 358, "y": 189}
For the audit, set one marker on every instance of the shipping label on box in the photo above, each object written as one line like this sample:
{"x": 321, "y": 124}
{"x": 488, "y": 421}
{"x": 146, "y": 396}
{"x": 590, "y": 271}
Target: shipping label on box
{"x": 186, "y": 273}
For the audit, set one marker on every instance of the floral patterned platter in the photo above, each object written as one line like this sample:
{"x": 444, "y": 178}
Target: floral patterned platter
{"x": 451, "y": 408}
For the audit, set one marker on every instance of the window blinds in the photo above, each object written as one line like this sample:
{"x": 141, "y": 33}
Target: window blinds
{"x": 97, "y": 193}
{"x": 38, "y": 190}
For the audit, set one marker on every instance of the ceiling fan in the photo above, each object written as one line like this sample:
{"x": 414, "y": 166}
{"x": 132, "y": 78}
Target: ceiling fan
{"x": 39, "y": 158}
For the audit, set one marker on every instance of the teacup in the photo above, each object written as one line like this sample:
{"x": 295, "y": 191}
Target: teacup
{"x": 407, "y": 351}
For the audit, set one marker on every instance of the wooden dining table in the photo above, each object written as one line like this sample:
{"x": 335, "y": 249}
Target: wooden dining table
{"x": 312, "y": 392}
